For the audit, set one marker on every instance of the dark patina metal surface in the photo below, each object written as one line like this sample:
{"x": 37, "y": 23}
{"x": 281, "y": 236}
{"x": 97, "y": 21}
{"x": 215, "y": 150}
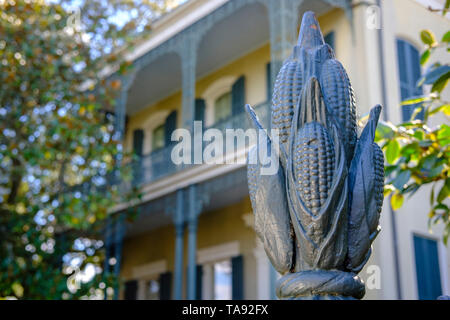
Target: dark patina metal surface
{"x": 319, "y": 214}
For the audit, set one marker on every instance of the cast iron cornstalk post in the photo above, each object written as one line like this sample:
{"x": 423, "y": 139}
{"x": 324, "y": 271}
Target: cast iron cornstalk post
{"x": 318, "y": 214}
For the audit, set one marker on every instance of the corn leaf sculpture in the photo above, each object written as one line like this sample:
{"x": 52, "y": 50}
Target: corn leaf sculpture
{"x": 318, "y": 215}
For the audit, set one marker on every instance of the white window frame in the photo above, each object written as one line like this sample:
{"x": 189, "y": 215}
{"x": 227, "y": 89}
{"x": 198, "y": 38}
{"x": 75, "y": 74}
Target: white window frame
{"x": 212, "y": 93}
{"x": 153, "y": 122}
{"x": 146, "y": 272}
{"x": 210, "y": 255}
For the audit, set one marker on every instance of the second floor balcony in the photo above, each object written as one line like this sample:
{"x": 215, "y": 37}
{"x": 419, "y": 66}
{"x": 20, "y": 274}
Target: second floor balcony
{"x": 212, "y": 56}
{"x": 159, "y": 164}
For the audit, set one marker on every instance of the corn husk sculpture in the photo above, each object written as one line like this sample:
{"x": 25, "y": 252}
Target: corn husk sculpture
{"x": 318, "y": 215}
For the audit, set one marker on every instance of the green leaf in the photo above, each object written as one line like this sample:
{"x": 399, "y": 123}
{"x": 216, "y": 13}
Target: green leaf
{"x": 425, "y": 56}
{"x": 434, "y": 74}
{"x": 425, "y": 143}
{"x": 429, "y": 161}
{"x": 446, "y": 234}
{"x": 444, "y": 192}
{"x": 397, "y": 201}
{"x": 432, "y": 196}
{"x": 443, "y": 135}
{"x": 441, "y": 83}
{"x": 417, "y": 110}
{"x": 388, "y": 170}
{"x": 427, "y": 37}
{"x": 411, "y": 189}
{"x": 392, "y": 151}
{"x": 443, "y": 108}
{"x": 446, "y": 37}
{"x": 415, "y": 100}
{"x": 419, "y": 134}
{"x": 17, "y": 289}
{"x": 388, "y": 189}
{"x": 401, "y": 179}
{"x": 436, "y": 171}
{"x": 411, "y": 150}
{"x": 385, "y": 130}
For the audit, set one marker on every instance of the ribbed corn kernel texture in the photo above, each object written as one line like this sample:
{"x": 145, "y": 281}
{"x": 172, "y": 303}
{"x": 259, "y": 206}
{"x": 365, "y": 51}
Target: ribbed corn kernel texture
{"x": 314, "y": 162}
{"x": 340, "y": 99}
{"x": 379, "y": 176}
{"x": 286, "y": 93}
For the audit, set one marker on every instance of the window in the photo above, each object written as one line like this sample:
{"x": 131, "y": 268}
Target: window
{"x": 152, "y": 290}
{"x": 222, "y": 272}
{"x": 329, "y": 39}
{"x": 158, "y": 137}
{"x": 222, "y": 107}
{"x": 224, "y": 98}
{"x": 408, "y": 60}
{"x": 152, "y": 281}
{"x": 222, "y": 280}
{"x": 427, "y": 268}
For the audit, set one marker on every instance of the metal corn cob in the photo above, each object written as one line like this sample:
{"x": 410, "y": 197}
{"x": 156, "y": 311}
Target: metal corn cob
{"x": 340, "y": 100}
{"x": 314, "y": 165}
{"x": 285, "y": 97}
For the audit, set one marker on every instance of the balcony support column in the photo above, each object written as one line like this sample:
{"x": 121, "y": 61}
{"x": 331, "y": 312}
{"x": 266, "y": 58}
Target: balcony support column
{"x": 188, "y": 54}
{"x": 179, "y": 245}
{"x": 195, "y": 205}
{"x": 108, "y": 245}
{"x": 120, "y": 113}
{"x": 118, "y": 239}
{"x": 126, "y": 81}
{"x": 283, "y": 21}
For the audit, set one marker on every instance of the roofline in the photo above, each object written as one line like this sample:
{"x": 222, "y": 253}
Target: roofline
{"x": 184, "y": 15}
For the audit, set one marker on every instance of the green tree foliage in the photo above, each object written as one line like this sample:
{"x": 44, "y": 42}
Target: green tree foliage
{"x": 58, "y": 150}
{"x": 417, "y": 152}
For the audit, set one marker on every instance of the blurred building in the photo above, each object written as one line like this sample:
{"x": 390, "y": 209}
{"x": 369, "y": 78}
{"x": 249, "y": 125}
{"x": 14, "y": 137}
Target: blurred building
{"x": 203, "y": 61}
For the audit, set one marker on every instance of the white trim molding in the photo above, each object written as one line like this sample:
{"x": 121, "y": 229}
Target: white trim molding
{"x": 210, "y": 255}
{"x": 145, "y": 272}
{"x": 219, "y": 252}
{"x": 149, "y": 270}
{"x": 174, "y": 22}
{"x": 186, "y": 177}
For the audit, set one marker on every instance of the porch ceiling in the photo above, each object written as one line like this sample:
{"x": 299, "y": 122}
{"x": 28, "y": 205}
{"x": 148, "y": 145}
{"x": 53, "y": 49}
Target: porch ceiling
{"x": 222, "y": 193}
{"x": 154, "y": 82}
{"x": 230, "y": 38}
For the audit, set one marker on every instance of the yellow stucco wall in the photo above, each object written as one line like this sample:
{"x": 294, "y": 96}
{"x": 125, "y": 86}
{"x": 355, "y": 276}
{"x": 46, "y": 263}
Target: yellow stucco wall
{"x": 405, "y": 19}
{"x": 214, "y": 228}
{"x": 358, "y": 52}
{"x": 252, "y": 66}
{"x": 159, "y": 244}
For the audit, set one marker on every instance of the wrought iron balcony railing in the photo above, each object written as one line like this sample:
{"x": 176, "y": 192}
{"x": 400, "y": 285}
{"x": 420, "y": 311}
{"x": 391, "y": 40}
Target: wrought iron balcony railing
{"x": 158, "y": 164}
